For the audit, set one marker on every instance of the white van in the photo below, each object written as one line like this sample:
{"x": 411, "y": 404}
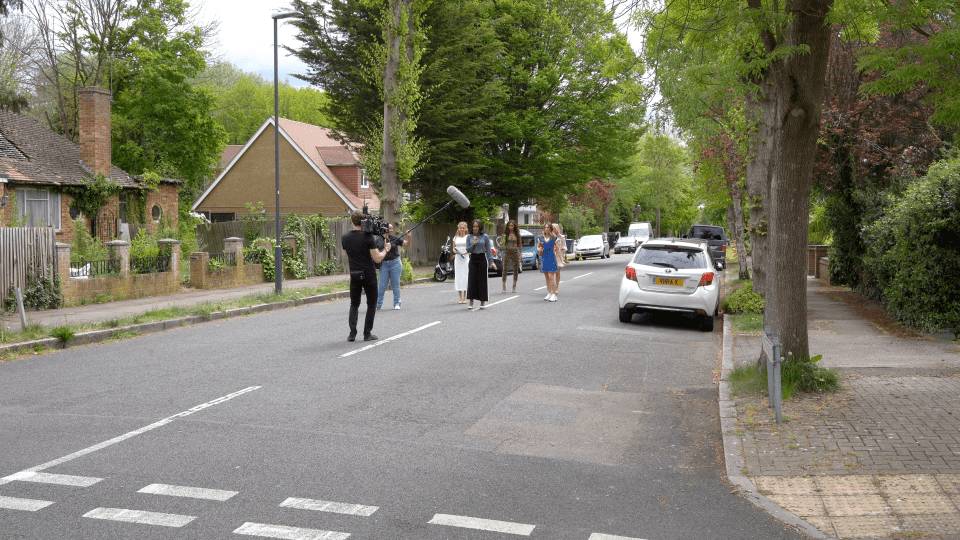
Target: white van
{"x": 638, "y": 233}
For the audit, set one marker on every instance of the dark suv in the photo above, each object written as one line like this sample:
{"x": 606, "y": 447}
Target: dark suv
{"x": 716, "y": 236}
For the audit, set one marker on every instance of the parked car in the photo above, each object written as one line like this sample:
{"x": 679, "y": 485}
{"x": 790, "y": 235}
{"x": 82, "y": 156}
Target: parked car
{"x": 716, "y": 236}
{"x": 675, "y": 275}
{"x": 497, "y": 257}
{"x": 636, "y": 235}
{"x": 594, "y": 245}
{"x": 529, "y": 257}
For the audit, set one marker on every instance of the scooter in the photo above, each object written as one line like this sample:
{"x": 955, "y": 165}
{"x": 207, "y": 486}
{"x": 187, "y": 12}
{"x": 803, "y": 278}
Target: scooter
{"x": 445, "y": 264}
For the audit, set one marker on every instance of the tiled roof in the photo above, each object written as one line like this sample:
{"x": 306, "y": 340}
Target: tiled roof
{"x": 228, "y": 154}
{"x": 45, "y": 158}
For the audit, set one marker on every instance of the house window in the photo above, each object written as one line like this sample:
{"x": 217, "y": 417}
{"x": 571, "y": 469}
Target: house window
{"x": 364, "y": 183}
{"x": 526, "y": 219}
{"x": 38, "y": 208}
{"x": 156, "y": 213}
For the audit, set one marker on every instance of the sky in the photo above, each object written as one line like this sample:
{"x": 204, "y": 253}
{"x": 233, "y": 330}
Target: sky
{"x": 246, "y": 36}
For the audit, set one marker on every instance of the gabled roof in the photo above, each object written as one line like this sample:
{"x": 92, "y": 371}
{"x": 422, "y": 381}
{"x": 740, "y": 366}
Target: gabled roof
{"x": 33, "y": 154}
{"x": 228, "y": 154}
{"x": 318, "y": 147}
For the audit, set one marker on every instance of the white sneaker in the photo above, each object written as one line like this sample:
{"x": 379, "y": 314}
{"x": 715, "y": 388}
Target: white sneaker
{"x": 553, "y": 298}
{"x": 547, "y": 297}
{"x": 396, "y": 306}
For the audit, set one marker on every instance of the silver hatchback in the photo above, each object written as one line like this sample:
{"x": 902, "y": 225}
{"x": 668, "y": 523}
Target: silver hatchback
{"x": 672, "y": 274}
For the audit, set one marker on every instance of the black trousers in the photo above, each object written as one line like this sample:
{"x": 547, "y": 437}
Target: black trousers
{"x": 477, "y": 278}
{"x": 365, "y": 282}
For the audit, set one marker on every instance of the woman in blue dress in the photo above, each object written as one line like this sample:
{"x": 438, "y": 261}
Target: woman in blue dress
{"x": 548, "y": 261}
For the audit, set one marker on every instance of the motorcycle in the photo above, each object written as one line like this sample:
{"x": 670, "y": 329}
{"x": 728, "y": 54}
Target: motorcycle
{"x": 444, "y": 266}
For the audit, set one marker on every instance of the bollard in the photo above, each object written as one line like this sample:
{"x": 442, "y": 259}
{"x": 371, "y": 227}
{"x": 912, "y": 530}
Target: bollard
{"x": 771, "y": 349}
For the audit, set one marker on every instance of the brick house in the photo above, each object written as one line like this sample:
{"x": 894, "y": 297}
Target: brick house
{"x": 36, "y": 163}
{"x": 318, "y": 174}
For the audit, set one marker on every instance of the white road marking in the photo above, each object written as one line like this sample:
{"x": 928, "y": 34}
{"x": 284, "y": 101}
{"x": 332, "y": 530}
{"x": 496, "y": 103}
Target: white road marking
{"x": 598, "y": 536}
{"x": 326, "y": 506}
{"x": 578, "y": 277}
{"x": 192, "y": 492}
{"x": 61, "y": 479}
{"x": 139, "y": 516}
{"x": 389, "y": 339}
{"x": 134, "y": 433}
{"x": 288, "y": 533}
{"x": 502, "y": 301}
{"x": 482, "y": 524}
{"x": 30, "y": 505}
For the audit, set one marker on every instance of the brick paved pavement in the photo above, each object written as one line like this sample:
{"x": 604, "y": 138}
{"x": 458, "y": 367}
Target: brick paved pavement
{"x": 878, "y": 459}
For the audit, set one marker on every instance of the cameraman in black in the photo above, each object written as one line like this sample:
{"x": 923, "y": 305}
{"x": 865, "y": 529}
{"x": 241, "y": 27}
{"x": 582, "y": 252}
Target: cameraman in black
{"x": 362, "y": 253}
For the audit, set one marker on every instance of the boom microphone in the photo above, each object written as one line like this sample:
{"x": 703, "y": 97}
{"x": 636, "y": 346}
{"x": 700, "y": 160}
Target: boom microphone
{"x": 458, "y": 196}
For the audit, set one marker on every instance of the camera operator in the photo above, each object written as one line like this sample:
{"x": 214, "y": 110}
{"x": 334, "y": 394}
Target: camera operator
{"x": 362, "y": 253}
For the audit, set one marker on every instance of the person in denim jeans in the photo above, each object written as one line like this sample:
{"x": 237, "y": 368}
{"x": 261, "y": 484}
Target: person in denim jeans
{"x": 391, "y": 268}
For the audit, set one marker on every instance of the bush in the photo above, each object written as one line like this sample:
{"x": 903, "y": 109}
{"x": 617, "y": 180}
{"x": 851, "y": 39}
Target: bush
{"x": 914, "y": 248}
{"x": 41, "y": 293}
{"x": 406, "y": 272}
{"x": 85, "y": 247}
{"x": 803, "y": 375}
{"x": 743, "y": 300}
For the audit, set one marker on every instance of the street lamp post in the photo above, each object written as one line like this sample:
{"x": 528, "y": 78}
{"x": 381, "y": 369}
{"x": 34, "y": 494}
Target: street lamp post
{"x": 278, "y": 251}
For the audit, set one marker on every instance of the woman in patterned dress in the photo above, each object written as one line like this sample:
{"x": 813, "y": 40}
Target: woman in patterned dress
{"x": 548, "y": 261}
{"x": 511, "y": 253}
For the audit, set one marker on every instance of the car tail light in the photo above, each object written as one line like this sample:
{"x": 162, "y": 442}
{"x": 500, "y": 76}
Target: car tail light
{"x": 494, "y": 252}
{"x": 723, "y": 247}
{"x": 631, "y": 273}
{"x": 706, "y": 279}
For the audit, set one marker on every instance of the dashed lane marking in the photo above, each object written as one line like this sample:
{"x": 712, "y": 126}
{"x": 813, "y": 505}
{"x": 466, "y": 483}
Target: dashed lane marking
{"x": 125, "y": 436}
{"x": 502, "y": 301}
{"x": 139, "y": 516}
{"x": 598, "y": 536}
{"x": 389, "y": 339}
{"x": 30, "y": 505}
{"x": 191, "y": 492}
{"x": 288, "y": 533}
{"x": 465, "y": 522}
{"x": 326, "y": 506}
{"x": 60, "y": 479}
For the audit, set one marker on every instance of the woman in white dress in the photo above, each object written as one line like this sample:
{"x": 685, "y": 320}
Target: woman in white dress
{"x": 461, "y": 262}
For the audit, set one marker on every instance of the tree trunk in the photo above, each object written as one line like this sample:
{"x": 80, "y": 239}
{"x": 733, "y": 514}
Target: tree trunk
{"x": 735, "y": 221}
{"x": 390, "y": 196}
{"x": 760, "y": 109}
{"x": 798, "y": 82}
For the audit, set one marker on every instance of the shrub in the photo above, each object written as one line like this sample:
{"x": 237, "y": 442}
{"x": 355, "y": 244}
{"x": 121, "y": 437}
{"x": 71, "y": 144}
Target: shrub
{"x": 41, "y": 292}
{"x": 406, "y": 271}
{"x": 914, "y": 248}
{"x": 743, "y": 300}
{"x": 803, "y": 375}
{"x": 85, "y": 247}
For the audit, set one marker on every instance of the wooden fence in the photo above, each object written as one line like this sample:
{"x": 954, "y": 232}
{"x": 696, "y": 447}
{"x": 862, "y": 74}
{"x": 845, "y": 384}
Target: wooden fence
{"x": 26, "y": 249}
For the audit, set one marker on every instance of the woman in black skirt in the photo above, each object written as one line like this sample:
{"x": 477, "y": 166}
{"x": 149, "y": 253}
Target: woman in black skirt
{"x": 481, "y": 257}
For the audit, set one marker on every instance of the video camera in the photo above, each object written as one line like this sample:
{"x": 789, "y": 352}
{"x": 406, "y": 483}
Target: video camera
{"x": 375, "y": 225}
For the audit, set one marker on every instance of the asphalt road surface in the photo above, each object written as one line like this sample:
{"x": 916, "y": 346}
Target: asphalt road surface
{"x": 533, "y": 419}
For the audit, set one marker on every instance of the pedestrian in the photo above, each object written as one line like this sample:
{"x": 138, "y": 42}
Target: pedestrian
{"x": 391, "y": 267}
{"x": 548, "y": 261}
{"x": 481, "y": 258}
{"x": 561, "y": 251}
{"x": 511, "y": 246}
{"x": 461, "y": 262}
{"x": 362, "y": 254}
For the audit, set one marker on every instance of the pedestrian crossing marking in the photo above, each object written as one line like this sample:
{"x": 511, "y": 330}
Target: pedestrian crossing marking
{"x": 30, "y": 505}
{"x": 288, "y": 533}
{"x": 59, "y": 479}
{"x": 326, "y": 506}
{"x": 192, "y": 492}
{"x": 482, "y": 524}
{"x": 139, "y": 516}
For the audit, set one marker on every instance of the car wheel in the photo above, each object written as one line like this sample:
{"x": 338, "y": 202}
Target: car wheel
{"x": 706, "y": 323}
{"x": 536, "y": 263}
{"x": 439, "y": 275}
{"x": 625, "y": 315}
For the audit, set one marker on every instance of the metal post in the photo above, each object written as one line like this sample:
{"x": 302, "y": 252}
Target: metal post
{"x": 278, "y": 250}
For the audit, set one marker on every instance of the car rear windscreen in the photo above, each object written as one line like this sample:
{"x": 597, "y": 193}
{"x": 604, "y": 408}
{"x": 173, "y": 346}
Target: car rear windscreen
{"x": 706, "y": 233}
{"x": 669, "y": 256}
{"x": 528, "y": 241}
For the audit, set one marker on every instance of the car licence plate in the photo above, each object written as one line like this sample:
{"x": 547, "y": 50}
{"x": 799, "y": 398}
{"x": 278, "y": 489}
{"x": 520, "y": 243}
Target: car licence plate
{"x": 668, "y": 281}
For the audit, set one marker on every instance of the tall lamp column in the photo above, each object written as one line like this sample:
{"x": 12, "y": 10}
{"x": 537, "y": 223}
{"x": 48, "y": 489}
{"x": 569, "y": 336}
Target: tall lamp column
{"x": 278, "y": 251}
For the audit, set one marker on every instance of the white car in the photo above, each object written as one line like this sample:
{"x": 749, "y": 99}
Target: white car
{"x": 672, "y": 274}
{"x": 627, "y": 244}
{"x": 594, "y": 245}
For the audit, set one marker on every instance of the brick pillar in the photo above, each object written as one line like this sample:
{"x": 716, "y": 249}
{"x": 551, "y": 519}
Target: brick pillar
{"x": 199, "y": 267}
{"x": 174, "y": 254}
{"x": 63, "y": 261}
{"x": 234, "y": 245}
{"x": 121, "y": 250}
{"x": 290, "y": 240}
{"x": 94, "y": 126}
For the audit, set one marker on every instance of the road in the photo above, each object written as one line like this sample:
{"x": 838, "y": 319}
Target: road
{"x": 536, "y": 419}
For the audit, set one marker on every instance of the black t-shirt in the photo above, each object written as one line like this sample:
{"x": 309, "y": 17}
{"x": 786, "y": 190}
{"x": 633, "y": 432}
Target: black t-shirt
{"x": 358, "y": 244}
{"x": 393, "y": 252}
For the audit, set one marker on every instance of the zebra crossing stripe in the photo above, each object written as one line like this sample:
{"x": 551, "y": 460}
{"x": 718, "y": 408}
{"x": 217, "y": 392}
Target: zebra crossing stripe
{"x": 482, "y": 524}
{"x": 184, "y": 491}
{"x": 30, "y": 505}
{"x": 326, "y": 506}
{"x": 288, "y": 533}
{"x": 139, "y": 516}
{"x": 598, "y": 536}
{"x": 59, "y": 479}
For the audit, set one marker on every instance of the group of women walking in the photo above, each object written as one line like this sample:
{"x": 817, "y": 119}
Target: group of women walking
{"x": 473, "y": 255}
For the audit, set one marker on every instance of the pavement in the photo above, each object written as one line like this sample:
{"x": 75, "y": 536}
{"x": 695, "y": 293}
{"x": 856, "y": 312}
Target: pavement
{"x": 878, "y": 459}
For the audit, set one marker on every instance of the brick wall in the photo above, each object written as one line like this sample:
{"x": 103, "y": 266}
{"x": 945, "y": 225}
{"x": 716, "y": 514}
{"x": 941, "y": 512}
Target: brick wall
{"x": 123, "y": 287}
{"x": 814, "y": 254}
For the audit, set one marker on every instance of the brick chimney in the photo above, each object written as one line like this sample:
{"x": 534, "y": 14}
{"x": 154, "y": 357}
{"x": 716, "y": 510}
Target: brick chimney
{"x": 95, "y": 129}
